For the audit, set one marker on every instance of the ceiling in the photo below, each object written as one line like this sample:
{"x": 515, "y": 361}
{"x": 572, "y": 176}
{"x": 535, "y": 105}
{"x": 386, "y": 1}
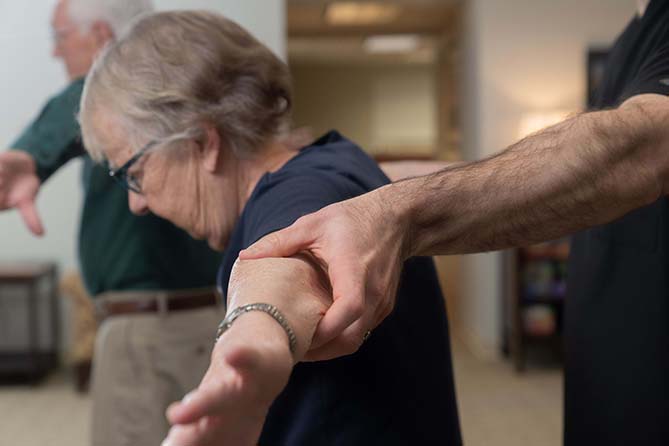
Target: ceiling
{"x": 306, "y": 18}
{"x": 350, "y": 50}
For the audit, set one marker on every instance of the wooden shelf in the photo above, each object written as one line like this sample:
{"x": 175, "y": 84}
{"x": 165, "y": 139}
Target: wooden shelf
{"x": 34, "y": 360}
{"x": 538, "y": 267}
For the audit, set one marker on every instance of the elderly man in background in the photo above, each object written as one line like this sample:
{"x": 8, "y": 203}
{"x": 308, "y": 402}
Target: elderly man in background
{"x": 151, "y": 281}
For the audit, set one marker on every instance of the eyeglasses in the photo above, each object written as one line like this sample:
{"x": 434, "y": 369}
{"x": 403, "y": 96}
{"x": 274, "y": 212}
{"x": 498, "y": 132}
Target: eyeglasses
{"x": 127, "y": 180}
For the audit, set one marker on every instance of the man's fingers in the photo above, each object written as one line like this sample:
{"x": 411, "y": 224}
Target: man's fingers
{"x": 340, "y": 315}
{"x": 331, "y": 350}
{"x": 283, "y": 243}
{"x": 348, "y": 292}
{"x": 347, "y": 343}
{"x": 30, "y": 216}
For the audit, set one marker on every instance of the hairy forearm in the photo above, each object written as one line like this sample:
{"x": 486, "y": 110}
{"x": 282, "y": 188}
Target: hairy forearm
{"x": 585, "y": 171}
{"x": 295, "y": 285}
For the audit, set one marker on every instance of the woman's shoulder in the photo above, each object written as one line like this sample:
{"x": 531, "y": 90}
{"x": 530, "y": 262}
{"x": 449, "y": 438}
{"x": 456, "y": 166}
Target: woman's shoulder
{"x": 333, "y": 158}
{"x": 332, "y": 149}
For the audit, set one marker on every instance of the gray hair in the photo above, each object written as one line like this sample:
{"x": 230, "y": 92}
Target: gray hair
{"x": 119, "y": 14}
{"x": 174, "y": 71}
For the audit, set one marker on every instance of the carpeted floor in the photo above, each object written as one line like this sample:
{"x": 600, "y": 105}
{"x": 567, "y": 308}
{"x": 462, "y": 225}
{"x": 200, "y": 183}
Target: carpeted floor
{"x": 497, "y": 407}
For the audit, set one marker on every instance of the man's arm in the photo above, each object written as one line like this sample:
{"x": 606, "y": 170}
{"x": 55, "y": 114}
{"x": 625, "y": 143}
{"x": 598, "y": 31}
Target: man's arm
{"x": 54, "y": 137}
{"x": 586, "y": 171}
{"x": 45, "y": 145}
{"x": 251, "y": 362}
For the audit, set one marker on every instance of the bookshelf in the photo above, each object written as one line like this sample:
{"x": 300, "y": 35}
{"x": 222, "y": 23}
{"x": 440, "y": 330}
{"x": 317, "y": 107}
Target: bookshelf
{"x": 535, "y": 295}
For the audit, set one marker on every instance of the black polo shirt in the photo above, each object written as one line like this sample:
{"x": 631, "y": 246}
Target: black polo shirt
{"x": 398, "y": 388}
{"x": 617, "y": 310}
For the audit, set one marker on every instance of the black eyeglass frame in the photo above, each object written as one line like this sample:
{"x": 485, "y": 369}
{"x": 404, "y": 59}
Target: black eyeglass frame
{"x": 120, "y": 175}
{"x": 130, "y": 183}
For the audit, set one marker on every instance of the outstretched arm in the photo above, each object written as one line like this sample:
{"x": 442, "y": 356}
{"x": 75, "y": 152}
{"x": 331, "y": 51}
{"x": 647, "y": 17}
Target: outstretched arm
{"x": 588, "y": 170}
{"x": 251, "y": 362}
{"x": 19, "y": 185}
{"x": 585, "y": 171}
{"x": 45, "y": 145}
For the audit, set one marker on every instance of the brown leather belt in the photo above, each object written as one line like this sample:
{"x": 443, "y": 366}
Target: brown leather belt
{"x": 166, "y": 303}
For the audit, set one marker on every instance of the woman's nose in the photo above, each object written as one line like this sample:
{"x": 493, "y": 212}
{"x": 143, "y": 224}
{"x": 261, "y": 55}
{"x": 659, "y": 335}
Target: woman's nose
{"x": 137, "y": 203}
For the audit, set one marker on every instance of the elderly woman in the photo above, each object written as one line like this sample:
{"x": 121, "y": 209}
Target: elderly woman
{"x": 193, "y": 115}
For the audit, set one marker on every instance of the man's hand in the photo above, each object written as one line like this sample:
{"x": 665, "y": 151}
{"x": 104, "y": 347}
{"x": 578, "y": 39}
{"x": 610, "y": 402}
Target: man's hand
{"x": 249, "y": 368}
{"x": 19, "y": 185}
{"x": 360, "y": 244}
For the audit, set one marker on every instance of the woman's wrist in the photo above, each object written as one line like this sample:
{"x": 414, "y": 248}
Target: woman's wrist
{"x": 258, "y": 331}
{"x": 269, "y": 309}
{"x": 255, "y": 350}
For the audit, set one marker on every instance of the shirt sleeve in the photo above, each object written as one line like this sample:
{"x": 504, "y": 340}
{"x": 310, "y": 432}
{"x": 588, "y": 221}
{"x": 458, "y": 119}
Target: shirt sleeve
{"x": 653, "y": 77}
{"x": 281, "y": 201}
{"x": 54, "y": 138}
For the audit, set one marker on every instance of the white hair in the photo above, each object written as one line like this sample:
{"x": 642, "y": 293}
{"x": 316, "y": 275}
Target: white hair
{"x": 119, "y": 14}
{"x": 173, "y": 71}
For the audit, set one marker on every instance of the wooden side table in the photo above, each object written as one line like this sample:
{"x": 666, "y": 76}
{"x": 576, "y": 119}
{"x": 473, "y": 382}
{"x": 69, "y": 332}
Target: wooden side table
{"x": 35, "y": 361}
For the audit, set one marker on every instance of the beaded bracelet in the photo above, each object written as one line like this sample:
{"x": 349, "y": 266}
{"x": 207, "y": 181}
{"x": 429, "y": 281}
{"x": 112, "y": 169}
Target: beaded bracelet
{"x": 266, "y": 308}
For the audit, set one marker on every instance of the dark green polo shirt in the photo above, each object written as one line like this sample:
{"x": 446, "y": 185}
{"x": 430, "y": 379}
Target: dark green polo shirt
{"x": 117, "y": 250}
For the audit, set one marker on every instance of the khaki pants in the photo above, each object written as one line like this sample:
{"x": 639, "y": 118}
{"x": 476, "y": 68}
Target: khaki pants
{"x": 142, "y": 363}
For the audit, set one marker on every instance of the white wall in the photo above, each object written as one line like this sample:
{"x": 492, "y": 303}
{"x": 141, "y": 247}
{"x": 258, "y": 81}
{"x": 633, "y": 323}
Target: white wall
{"x": 29, "y": 76}
{"x": 519, "y": 57}
{"x": 264, "y": 18}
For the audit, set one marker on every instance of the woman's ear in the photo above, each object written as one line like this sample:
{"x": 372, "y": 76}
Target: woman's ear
{"x": 102, "y": 32}
{"x": 211, "y": 147}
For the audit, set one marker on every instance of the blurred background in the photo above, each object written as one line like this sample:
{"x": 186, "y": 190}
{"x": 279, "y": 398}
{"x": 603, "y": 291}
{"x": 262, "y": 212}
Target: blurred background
{"x": 408, "y": 80}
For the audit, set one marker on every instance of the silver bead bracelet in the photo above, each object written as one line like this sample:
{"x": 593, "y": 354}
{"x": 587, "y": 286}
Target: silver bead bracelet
{"x": 265, "y": 308}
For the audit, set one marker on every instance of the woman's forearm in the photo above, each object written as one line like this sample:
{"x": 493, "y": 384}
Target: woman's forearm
{"x": 293, "y": 285}
{"x": 251, "y": 362}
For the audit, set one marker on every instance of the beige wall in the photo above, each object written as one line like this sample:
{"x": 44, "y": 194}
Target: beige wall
{"x": 388, "y": 108}
{"x": 519, "y": 57}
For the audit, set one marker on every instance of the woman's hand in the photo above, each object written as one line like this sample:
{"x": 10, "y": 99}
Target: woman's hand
{"x": 250, "y": 365}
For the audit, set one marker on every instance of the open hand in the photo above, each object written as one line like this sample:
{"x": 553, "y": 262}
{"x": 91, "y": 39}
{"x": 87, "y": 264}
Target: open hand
{"x": 246, "y": 374}
{"x": 19, "y": 185}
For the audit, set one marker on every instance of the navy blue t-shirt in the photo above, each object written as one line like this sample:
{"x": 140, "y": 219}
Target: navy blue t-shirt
{"x": 398, "y": 388}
